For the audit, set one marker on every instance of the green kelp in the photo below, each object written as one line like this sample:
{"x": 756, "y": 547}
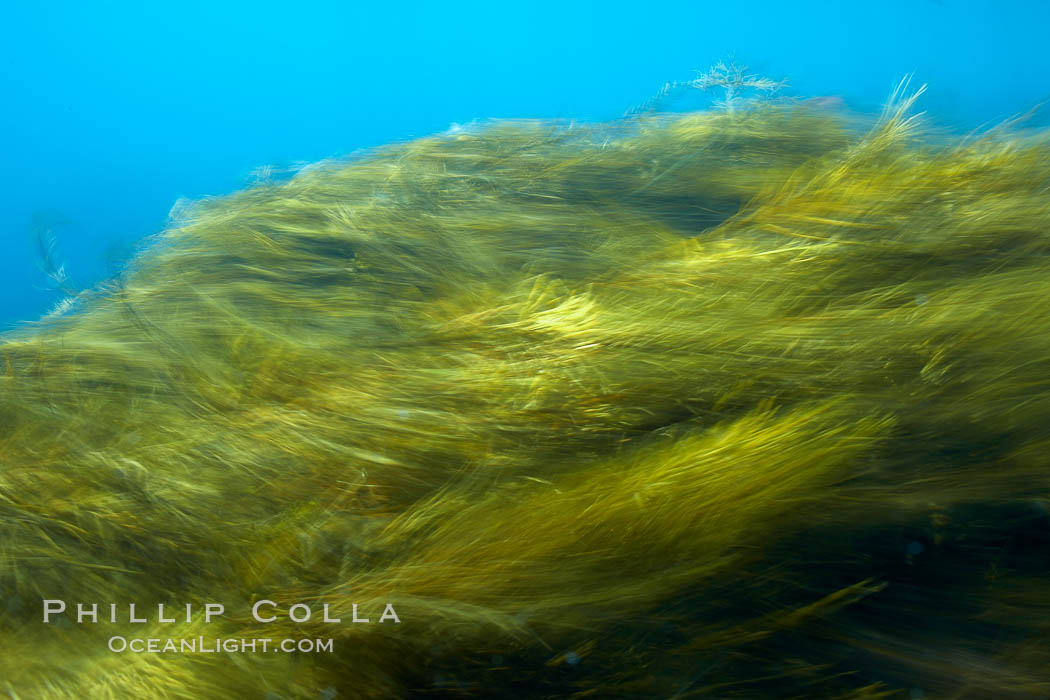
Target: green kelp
{"x": 724, "y": 405}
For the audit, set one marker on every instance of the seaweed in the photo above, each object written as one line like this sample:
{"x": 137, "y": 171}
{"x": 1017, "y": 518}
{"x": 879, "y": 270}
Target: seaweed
{"x": 729, "y": 404}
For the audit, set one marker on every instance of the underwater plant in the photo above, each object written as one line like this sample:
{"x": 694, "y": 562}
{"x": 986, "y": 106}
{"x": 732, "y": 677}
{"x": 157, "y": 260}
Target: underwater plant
{"x": 42, "y": 227}
{"x": 732, "y": 78}
{"x": 686, "y": 405}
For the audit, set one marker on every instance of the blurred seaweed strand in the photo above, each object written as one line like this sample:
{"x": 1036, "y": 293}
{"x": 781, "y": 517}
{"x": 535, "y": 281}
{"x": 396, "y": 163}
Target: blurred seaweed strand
{"x": 731, "y": 77}
{"x": 43, "y": 227}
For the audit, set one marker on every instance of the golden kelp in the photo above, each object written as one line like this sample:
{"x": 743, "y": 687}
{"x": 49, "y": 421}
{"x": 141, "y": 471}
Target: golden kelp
{"x": 728, "y": 405}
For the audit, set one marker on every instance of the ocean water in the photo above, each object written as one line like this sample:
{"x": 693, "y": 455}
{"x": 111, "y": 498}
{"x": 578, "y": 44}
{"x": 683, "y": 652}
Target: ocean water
{"x": 113, "y": 111}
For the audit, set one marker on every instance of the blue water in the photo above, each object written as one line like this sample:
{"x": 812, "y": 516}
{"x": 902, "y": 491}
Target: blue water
{"x": 112, "y": 110}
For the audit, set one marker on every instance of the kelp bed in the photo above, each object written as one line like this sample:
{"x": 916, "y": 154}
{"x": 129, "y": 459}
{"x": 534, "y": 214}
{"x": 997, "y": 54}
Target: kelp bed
{"x": 720, "y": 405}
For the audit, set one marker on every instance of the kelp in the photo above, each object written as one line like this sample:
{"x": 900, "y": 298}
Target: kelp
{"x": 740, "y": 404}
